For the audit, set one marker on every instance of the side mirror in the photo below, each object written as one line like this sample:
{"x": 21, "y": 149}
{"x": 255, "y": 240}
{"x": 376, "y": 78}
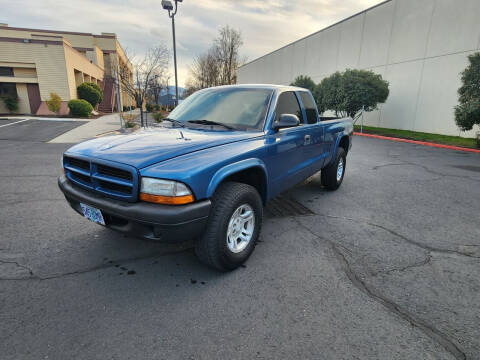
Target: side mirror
{"x": 286, "y": 121}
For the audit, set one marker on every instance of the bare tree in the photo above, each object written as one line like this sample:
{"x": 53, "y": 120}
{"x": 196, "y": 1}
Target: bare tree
{"x": 156, "y": 86}
{"x": 146, "y": 71}
{"x": 219, "y": 64}
{"x": 227, "y": 46}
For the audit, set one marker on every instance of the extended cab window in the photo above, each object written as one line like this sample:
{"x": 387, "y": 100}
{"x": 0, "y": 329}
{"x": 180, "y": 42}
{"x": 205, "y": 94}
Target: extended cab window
{"x": 309, "y": 107}
{"x": 288, "y": 104}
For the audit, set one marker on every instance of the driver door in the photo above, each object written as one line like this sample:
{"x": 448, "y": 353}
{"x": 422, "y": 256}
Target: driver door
{"x": 286, "y": 146}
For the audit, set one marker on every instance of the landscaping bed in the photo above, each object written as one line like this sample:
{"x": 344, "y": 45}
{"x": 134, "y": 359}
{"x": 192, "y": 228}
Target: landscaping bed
{"x": 421, "y": 136}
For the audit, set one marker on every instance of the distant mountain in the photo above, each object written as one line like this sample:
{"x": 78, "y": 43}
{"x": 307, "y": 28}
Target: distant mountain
{"x": 171, "y": 90}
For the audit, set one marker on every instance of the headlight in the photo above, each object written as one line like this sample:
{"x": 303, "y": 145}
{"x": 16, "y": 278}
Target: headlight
{"x": 165, "y": 192}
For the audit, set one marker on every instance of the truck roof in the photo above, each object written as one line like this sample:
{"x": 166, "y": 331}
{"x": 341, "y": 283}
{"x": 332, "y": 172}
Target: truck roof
{"x": 262, "y": 86}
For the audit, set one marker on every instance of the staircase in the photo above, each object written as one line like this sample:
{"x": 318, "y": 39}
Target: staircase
{"x": 109, "y": 95}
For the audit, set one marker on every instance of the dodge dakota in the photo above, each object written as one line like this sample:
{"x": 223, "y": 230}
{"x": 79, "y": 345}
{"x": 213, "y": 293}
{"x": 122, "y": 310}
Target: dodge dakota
{"x": 206, "y": 172}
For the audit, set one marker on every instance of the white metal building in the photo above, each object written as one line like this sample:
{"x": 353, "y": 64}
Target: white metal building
{"x": 419, "y": 46}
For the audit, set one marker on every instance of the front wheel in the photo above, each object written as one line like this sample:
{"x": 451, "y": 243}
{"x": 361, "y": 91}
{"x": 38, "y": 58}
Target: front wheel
{"x": 332, "y": 175}
{"x": 233, "y": 227}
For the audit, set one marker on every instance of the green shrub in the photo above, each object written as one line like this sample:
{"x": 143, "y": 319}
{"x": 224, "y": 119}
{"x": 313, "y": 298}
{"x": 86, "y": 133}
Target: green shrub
{"x": 11, "y": 103}
{"x": 129, "y": 124}
{"x": 467, "y": 114}
{"x": 90, "y": 92}
{"x": 98, "y": 88}
{"x": 80, "y": 108}
{"x": 158, "y": 116}
{"x": 305, "y": 82}
{"x": 54, "y": 103}
{"x": 348, "y": 92}
{"x": 149, "y": 107}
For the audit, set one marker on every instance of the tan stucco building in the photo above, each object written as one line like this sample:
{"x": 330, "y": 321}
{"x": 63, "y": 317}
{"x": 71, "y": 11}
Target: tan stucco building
{"x": 35, "y": 63}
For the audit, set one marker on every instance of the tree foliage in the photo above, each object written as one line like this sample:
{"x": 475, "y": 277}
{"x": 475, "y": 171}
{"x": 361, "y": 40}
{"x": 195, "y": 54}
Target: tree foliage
{"x": 305, "y": 82}
{"x": 219, "y": 64}
{"x": 54, "y": 103}
{"x": 349, "y": 92}
{"x": 467, "y": 114}
{"x": 90, "y": 92}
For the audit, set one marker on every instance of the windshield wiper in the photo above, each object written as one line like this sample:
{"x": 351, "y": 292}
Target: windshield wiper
{"x": 173, "y": 121}
{"x": 210, "y": 122}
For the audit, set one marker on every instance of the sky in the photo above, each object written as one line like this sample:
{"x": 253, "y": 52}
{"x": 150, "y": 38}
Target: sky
{"x": 265, "y": 25}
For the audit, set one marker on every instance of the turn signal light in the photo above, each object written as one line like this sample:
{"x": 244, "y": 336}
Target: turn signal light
{"x": 167, "y": 200}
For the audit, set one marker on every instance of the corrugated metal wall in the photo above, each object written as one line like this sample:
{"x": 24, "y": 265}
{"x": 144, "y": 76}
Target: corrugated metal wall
{"x": 420, "y": 47}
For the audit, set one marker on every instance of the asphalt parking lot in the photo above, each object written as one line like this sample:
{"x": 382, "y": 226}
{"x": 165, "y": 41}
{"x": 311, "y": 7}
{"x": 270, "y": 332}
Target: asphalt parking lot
{"x": 387, "y": 267}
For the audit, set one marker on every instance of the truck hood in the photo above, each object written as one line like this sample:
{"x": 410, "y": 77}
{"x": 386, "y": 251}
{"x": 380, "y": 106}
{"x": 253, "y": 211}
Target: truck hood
{"x": 151, "y": 146}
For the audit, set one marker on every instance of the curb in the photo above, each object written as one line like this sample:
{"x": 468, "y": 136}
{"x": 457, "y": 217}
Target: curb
{"x": 424, "y": 143}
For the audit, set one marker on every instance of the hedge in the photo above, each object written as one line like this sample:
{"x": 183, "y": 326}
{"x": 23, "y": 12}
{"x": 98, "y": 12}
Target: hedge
{"x": 90, "y": 92}
{"x": 80, "y": 108}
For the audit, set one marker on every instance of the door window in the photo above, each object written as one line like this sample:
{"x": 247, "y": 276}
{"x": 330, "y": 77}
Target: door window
{"x": 309, "y": 107}
{"x": 288, "y": 104}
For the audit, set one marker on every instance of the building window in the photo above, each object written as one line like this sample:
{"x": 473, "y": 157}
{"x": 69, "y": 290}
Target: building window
{"x": 309, "y": 107}
{"x": 8, "y": 89}
{"x": 288, "y": 104}
{"x": 6, "y": 71}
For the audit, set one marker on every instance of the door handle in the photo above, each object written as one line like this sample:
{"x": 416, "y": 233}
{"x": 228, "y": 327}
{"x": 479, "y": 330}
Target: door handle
{"x": 307, "y": 139}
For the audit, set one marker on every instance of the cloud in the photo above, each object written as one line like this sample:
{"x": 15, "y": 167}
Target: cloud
{"x": 265, "y": 25}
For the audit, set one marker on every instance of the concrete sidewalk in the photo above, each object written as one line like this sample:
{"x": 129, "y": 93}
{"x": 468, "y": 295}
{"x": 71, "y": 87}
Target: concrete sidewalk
{"x": 95, "y": 127}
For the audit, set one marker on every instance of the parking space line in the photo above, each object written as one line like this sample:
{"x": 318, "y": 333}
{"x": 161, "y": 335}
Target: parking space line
{"x": 16, "y": 122}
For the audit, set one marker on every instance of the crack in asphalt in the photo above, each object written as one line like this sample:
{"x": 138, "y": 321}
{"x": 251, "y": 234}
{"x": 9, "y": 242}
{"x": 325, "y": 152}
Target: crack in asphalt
{"x": 110, "y": 264}
{"x": 30, "y": 271}
{"x": 424, "y": 262}
{"x": 427, "y": 170}
{"x": 410, "y": 241}
{"x": 429, "y": 330}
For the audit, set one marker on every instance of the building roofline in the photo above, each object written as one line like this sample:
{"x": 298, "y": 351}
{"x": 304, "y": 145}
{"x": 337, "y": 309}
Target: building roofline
{"x": 319, "y": 31}
{"x": 57, "y": 32}
{"x": 105, "y": 36}
{"x": 42, "y": 30}
{"x": 31, "y": 41}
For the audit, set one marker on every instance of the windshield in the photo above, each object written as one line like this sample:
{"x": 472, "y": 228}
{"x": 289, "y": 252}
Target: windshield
{"x": 239, "y": 108}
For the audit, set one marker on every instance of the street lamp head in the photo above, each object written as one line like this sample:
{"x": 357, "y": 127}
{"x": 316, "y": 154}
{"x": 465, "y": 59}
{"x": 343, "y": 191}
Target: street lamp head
{"x": 167, "y": 5}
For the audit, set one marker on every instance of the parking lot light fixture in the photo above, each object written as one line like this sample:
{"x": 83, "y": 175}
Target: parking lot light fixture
{"x": 172, "y": 11}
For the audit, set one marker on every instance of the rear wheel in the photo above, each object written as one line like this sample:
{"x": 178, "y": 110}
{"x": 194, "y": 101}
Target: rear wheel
{"x": 332, "y": 175}
{"x": 233, "y": 226}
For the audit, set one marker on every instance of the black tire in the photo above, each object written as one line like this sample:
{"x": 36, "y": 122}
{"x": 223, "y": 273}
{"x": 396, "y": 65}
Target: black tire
{"x": 212, "y": 247}
{"x": 329, "y": 174}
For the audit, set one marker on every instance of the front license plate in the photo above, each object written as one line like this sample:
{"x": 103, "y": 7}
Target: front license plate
{"x": 92, "y": 214}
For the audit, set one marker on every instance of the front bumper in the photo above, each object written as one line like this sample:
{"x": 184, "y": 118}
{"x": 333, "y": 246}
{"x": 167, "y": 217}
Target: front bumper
{"x": 151, "y": 221}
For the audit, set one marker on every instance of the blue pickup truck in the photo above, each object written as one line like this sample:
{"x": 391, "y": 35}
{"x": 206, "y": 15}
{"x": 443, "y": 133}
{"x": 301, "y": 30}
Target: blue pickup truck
{"x": 209, "y": 169}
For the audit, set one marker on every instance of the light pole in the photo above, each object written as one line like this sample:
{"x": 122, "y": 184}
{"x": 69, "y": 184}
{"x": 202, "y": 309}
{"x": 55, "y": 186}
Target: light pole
{"x": 167, "y": 5}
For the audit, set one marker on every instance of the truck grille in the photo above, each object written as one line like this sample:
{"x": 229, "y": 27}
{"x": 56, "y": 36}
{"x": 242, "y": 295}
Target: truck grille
{"x": 114, "y": 180}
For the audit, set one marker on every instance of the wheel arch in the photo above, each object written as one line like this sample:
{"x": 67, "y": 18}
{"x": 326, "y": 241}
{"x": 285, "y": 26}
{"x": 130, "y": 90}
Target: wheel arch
{"x": 344, "y": 142}
{"x": 250, "y": 171}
